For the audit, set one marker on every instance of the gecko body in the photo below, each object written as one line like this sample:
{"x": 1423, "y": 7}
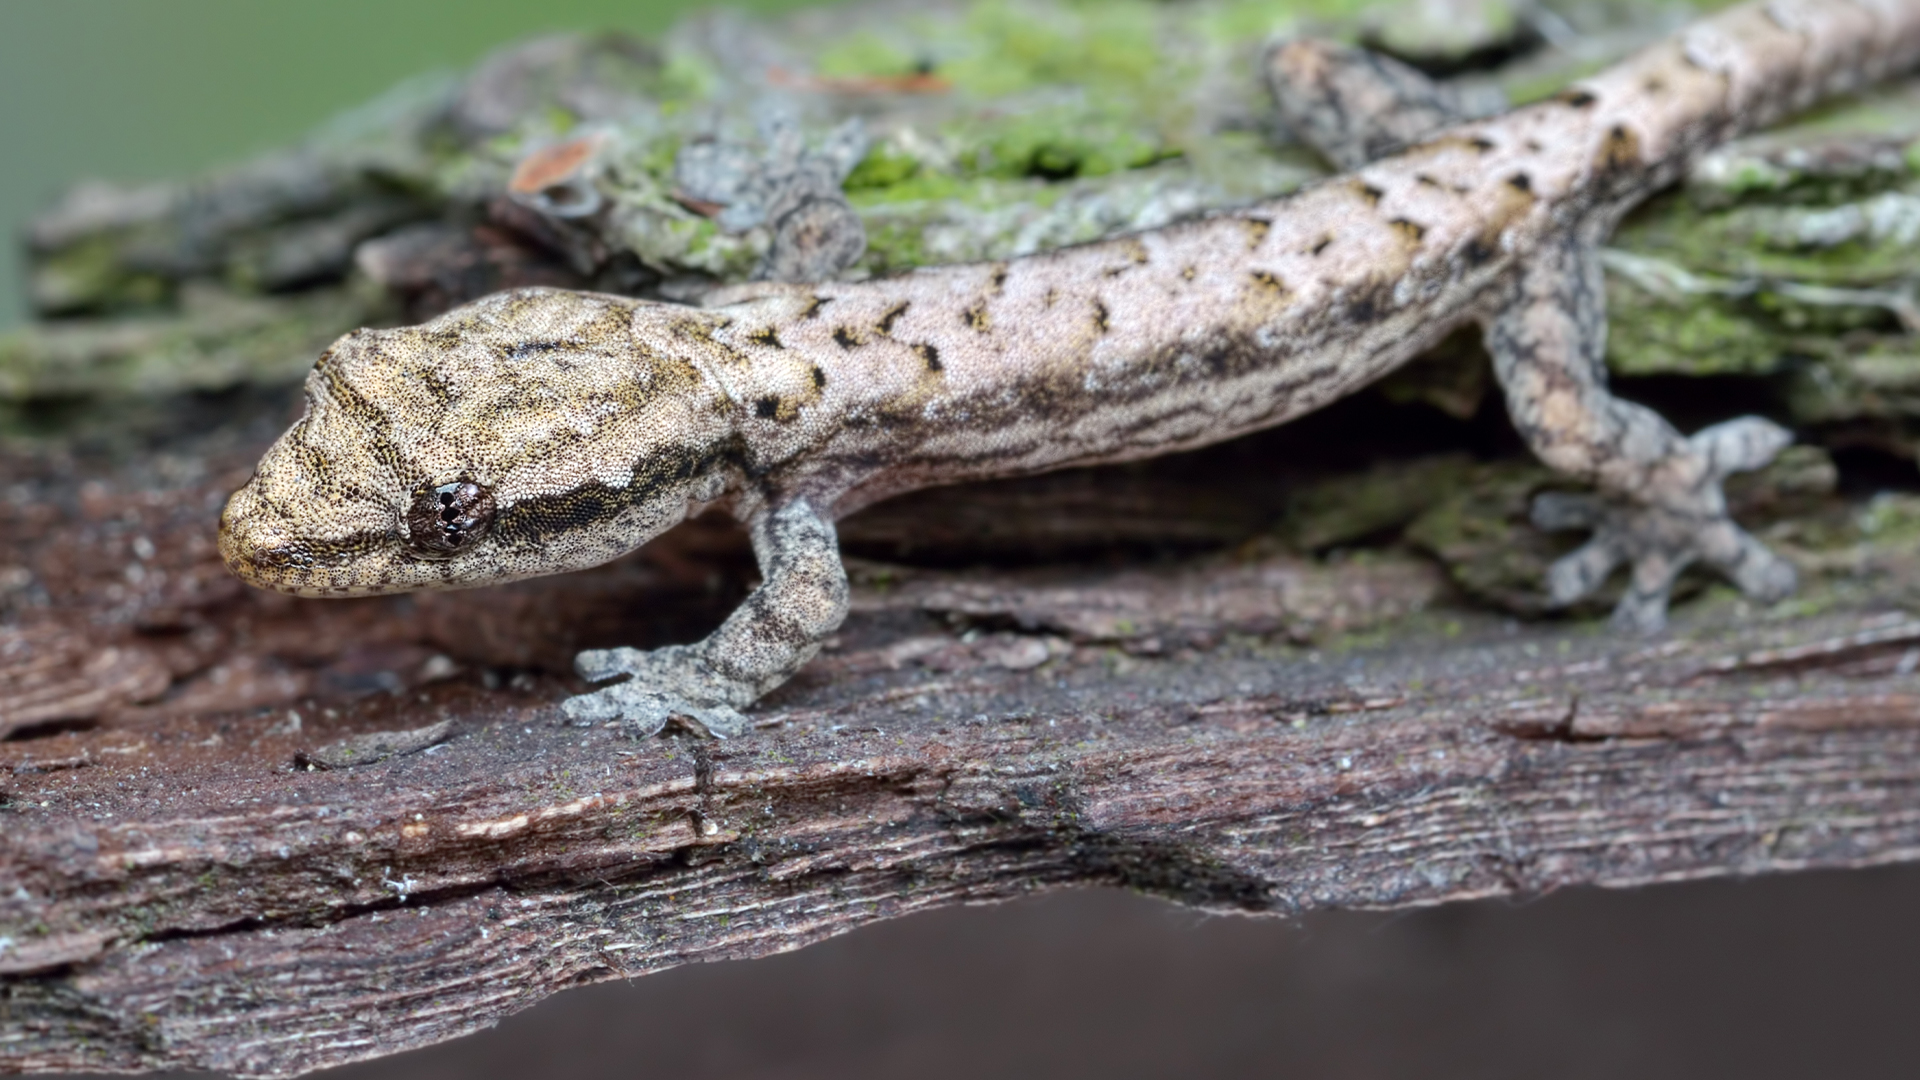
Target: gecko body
{"x": 541, "y": 430}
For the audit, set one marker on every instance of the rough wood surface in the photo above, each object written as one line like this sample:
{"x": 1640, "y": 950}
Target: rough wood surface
{"x": 265, "y": 836}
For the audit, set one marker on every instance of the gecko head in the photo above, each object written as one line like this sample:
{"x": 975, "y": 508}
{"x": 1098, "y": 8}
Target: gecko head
{"x": 531, "y": 432}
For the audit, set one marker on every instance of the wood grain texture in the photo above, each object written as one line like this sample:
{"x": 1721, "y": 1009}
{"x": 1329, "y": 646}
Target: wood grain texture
{"x": 249, "y": 915}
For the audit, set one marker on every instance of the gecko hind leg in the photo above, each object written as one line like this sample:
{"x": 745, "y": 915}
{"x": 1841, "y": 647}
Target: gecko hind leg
{"x": 1659, "y": 507}
{"x": 1647, "y": 538}
{"x": 774, "y": 631}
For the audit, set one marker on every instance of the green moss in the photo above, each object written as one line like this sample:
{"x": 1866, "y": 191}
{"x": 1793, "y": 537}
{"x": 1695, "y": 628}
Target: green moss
{"x": 985, "y": 192}
{"x": 1801, "y": 317}
{"x": 1357, "y": 507}
{"x": 700, "y": 236}
{"x": 884, "y": 166}
{"x": 684, "y": 77}
{"x": 893, "y": 246}
{"x": 1481, "y": 534}
{"x": 864, "y": 54}
{"x": 1060, "y": 143}
{"x": 656, "y": 159}
{"x": 1815, "y": 245}
{"x": 1891, "y": 518}
{"x": 218, "y": 340}
{"x": 1103, "y": 45}
{"x": 1255, "y": 20}
{"x": 88, "y": 277}
{"x": 1702, "y": 335}
{"x": 666, "y": 235}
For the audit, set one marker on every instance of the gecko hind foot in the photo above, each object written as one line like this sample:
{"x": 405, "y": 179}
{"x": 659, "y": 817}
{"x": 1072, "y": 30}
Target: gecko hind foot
{"x": 665, "y": 684}
{"x": 1659, "y": 541}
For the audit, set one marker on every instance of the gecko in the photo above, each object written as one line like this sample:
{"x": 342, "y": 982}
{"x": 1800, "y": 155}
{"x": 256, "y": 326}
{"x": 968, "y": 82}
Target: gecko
{"x": 539, "y": 431}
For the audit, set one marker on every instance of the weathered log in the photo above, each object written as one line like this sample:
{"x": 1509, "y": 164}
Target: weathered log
{"x": 208, "y": 879}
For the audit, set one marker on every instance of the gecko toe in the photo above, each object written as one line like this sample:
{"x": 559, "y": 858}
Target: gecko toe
{"x": 1643, "y": 608}
{"x": 1740, "y": 445}
{"x": 1641, "y": 612}
{"x": 599, "y": 665}
{"x": 663, "y": 685}
{"x": 717, "y": 721}
{"x": 1583, "y": 571}
{"x": 640, "y": 713}
{"x": 1751, "y": 566}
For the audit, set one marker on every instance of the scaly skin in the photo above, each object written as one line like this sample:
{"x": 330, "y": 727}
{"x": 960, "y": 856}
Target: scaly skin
{"x": 541, "y": 431}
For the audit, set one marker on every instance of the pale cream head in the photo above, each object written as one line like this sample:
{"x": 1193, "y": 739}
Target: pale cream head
{"x": 530, "y": 432}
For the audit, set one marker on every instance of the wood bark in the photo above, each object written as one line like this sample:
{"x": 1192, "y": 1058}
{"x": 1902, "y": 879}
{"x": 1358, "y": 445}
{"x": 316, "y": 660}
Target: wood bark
{"x": 1305, "y": 670}
{"x": 310, "y": 833}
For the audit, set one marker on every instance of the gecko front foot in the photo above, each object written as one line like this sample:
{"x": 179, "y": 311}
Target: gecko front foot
{"x": 1661, "y": 539}
{"x": 673, "y": 683}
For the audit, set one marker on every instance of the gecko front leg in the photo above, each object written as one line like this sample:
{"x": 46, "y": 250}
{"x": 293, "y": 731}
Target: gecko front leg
{"x": 779, "y": 627}
{"x": 1659, "y": 505}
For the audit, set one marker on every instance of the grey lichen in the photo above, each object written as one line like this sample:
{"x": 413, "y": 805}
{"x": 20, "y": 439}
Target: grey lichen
{"x": 970, "y": 130}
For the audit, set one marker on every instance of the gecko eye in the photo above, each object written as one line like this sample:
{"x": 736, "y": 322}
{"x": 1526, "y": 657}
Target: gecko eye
{"x": 447, "y": 519}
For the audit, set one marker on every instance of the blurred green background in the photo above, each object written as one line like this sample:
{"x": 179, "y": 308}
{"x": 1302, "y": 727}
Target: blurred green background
{"x": 138, "y": 89}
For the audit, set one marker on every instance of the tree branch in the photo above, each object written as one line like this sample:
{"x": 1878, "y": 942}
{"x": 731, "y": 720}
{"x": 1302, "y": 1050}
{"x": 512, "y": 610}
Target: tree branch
{"x": 191, "y": 890}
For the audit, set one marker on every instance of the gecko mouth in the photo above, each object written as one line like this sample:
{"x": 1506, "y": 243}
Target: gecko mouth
{"x": 261, "y": 546}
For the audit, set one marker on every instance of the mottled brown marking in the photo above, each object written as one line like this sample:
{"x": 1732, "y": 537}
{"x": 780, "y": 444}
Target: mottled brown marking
{"x": 1372, "y": 195}
{"x": 999, "y": 278}
{"x": 697, "y": 329}
{"x": 1619, "y": 150}
{"x": 767, "y": 407}
{"x": 1512, "y": 200}
{"x": 1268, "y": 283}
{"x": 1257, "y": 230}
{"x": 1189, "y": 272}
{"x": 976, "y": 317}
{"x": 1577, "y": 99}
{"x": 847, "y": 337}
{"x": 814, "y": 304}
{"x": 1409, "y": 232}
{"x": 930, "y": 355}
{"x": 819, "y": 378}
{"x": 766, "y": 337}
{"x": 1100, "y": 322}
{"x": 885, "y": 325}
{"x": 1321, "y": 244}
